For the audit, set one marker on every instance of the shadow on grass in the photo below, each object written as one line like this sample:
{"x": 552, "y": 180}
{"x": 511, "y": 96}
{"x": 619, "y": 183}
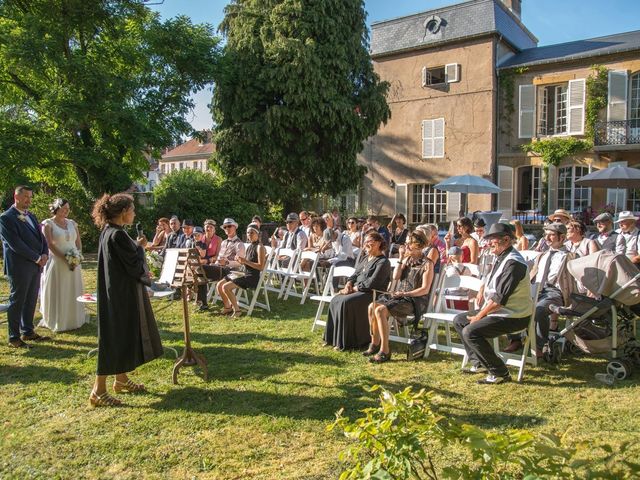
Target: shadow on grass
{"x": 227, "y": 363}
{"x": 35, "y": 374}
{"x": 49, "y": 351}
{"x": 497, "y": 420}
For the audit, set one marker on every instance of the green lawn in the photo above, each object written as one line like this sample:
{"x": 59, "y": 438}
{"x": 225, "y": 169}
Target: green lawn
{"x": 272, "y": 391}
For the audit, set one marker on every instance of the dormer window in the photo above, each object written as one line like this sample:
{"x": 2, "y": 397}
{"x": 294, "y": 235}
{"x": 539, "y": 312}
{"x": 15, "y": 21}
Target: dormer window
{"x": 432, "y": 25}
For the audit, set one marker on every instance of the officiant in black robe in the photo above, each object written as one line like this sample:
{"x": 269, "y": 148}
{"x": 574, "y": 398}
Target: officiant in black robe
{"x": 127, "y": 330}
{"x": 348, "y": 321}
{"x": 127, "y": 327}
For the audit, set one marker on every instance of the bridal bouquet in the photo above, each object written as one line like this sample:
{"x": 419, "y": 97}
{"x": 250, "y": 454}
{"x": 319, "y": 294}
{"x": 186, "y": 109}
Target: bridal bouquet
{"x": 154, "y": 262}
{"x": 74, "y": 258}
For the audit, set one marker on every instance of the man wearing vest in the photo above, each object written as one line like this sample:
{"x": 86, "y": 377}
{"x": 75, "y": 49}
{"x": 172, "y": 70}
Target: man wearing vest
{"x": 505, "y": 306}
{"x": 606, "y": 237}
{"x": 629, "y": 237}
{"x": 295, "y": 238}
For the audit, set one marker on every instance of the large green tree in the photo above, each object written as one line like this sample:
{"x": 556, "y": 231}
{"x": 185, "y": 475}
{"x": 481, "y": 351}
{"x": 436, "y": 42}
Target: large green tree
{"x": 88, "y": 87}
{"x": 295, "y": 97}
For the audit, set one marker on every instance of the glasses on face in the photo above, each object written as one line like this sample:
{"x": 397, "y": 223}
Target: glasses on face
{"x": 351, "y": 222}
{"x": 303, "y": 219}
{"x": 226, "y": 227}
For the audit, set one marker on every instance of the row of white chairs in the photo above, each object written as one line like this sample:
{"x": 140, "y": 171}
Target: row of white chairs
{"x": 438, "y": 316}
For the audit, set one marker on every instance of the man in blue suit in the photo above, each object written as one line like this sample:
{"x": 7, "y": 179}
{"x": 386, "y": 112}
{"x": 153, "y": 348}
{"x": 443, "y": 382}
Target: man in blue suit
{"x": 25, "y": 253}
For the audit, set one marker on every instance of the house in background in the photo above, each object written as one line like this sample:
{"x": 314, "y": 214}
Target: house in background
{"x": 193, "y": 154}
{"x": 441, "y": 66}
{"x": 549, "y": 100}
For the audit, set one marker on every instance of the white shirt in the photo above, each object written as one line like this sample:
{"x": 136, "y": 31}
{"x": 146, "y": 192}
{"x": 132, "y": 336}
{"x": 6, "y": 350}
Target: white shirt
{"x": 554, "y": 268}
{"x": 628, "y": 243}
{"x": 28, "y": 218}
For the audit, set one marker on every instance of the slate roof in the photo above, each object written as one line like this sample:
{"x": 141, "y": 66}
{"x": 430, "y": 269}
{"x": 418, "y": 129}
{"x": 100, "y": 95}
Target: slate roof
{"x": 563, "y": 52}
{"x": 463, "y": 20}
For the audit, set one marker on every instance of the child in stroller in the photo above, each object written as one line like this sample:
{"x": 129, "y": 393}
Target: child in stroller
{"x": 606, "y": 317}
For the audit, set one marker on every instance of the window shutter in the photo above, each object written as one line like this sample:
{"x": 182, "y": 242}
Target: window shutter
{"x": 427, "y": 138}
{"x": 438, "y": 137}
{"x": 617, "y": 104}
{"x": 425, "y": 74}
{"x": 453, "y": 206}
{"x": 526, "y": 111}
{"x": 452, "y": 72}
{"x": 401, "y": 199}
{"x": 552, "y": 188}
{"x": 576, "y": 107}
{"x": 505, "y": 197}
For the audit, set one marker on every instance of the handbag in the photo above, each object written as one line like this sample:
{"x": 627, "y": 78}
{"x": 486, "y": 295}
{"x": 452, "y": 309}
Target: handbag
{"x": 417, "y": 345}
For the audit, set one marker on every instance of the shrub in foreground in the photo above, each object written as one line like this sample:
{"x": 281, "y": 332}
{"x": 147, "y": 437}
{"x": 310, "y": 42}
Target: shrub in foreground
{"x": 398, "y": 439}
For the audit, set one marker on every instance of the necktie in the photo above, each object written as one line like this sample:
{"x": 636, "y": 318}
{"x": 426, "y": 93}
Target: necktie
{"x": 547, "y": 266}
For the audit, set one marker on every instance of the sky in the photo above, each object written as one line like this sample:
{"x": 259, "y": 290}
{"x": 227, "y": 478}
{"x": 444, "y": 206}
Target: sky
{"x": 552, "y": 21}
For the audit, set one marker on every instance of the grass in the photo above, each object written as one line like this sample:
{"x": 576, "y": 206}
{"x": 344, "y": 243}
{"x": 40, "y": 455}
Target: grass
{"x": 272, "y": 390}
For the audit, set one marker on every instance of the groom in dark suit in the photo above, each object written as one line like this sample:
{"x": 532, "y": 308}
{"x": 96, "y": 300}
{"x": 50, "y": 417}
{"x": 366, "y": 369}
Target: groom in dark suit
{"x": 25, "y": 253}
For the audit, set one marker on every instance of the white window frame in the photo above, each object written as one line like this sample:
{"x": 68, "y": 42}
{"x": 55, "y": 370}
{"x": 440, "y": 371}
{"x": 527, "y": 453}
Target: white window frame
{"x": 433, "y": 138}
{"x": 556, "y": 105}
{"x": 430, "y": 201}
{"x": 572, "y": 188}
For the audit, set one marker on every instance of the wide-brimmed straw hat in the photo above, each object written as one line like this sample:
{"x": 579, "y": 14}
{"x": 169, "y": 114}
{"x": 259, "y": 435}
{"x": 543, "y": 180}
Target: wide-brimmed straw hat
{"x": 626, "y": 215}
{"x": 562, "y": 213}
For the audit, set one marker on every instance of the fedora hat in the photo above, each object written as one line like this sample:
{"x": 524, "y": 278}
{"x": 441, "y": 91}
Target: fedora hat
{"x": 500, "y": 230}
{"x": 561, "y": 212}
{"x": 626, "y": 215}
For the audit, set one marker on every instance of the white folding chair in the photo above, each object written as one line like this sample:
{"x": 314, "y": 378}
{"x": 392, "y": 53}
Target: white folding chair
{"x": 528, "y": 354}
{"x": 473, "y": 268}
{"x": 281, "y": 268}
{"x": 329, "y": 292}
{"x": 444, "y": 316}
{"x": 306, "y": 278}
{"x": 243, "y": 295}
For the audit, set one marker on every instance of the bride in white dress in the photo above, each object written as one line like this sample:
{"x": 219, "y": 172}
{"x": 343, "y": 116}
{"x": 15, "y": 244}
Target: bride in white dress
{"x": 61, "y": 284}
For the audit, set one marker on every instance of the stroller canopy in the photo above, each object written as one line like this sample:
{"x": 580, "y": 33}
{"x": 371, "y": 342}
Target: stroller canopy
{"x": 606, "y": 273}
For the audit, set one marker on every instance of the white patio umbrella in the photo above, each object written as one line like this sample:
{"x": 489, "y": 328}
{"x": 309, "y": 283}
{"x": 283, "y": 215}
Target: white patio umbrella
{"x": 467, "y": 184}
{"x": 613, "y": 177}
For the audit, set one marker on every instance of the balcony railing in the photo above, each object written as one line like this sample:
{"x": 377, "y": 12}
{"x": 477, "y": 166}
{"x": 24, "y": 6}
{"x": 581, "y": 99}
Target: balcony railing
{"x": 623, "y": 132}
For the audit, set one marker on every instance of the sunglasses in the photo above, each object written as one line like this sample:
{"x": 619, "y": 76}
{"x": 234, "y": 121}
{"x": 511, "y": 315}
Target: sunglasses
{"x": 225, "y": 227}
{"x": 291, "y": 221}
{"x": 303, "y": 219}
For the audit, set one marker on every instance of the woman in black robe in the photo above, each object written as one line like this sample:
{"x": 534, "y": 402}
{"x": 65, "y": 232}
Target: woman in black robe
{"x": 127, "y": 330}
{"x": 347, "y": 323}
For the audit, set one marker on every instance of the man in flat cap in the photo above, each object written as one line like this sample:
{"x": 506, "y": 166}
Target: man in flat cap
{"x": 607, "y": 237}
{"x": 556, "y": 284}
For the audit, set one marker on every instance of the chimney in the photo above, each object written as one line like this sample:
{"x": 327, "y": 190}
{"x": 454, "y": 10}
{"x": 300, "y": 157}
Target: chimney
{"x": 515, "y": 6}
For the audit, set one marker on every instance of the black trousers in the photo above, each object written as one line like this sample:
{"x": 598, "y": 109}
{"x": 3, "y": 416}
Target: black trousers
{"x": 214, "y": 273}
{"x": 475, "y": 337}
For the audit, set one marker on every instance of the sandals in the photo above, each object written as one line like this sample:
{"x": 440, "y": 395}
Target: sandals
{"x": 128, "y": 386}
{"x": 104, "y": 400}
{"x": 372, "y": 350}
{"x": 380, "y": 357}
{"x": 237, "y": 314}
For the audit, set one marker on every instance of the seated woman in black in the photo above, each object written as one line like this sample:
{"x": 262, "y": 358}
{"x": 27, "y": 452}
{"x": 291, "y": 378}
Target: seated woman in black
{"x": 414, "y": 273}
{"x": 399, "y": 233}
{"x": 253, "y": 263}
{"x": 347, "y": 325}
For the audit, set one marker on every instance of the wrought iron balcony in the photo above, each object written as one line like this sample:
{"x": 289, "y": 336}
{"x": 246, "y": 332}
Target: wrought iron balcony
{"x": 623, "y": 132}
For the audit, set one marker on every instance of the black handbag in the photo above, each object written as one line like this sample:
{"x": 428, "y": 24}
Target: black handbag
{"x": 417, "y": 345}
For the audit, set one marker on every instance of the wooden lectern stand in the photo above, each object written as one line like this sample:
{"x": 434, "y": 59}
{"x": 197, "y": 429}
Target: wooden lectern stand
{"x": 188, "y": 272}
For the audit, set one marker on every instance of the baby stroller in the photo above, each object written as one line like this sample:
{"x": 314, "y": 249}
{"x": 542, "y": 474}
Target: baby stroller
{"x": 604, "y": 324}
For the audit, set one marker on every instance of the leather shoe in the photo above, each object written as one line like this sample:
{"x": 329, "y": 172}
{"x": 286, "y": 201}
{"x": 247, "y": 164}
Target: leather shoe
{"x": 18, "y": 344}
{"x": 515, "y": 345}
{"x": 34, "y": 337}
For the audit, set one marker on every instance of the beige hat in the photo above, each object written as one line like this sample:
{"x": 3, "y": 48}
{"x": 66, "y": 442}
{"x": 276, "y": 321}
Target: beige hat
{"x": 561, "y": 212}
{"x": 626, "y": 215}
